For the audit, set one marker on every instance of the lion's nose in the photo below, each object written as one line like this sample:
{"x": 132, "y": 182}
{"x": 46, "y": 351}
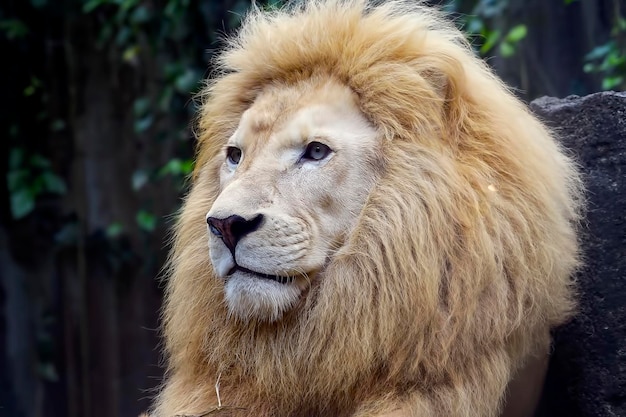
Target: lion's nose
{"x": 233, "y": 228}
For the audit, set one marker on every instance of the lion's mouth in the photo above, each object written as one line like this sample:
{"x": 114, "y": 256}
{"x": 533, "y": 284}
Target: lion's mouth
{"x": 278, "y": 278}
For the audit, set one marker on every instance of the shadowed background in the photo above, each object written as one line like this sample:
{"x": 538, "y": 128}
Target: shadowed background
{"x": 96, "y": 123}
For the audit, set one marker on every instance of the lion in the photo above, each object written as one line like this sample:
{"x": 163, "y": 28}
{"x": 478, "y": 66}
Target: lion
{"x": 376, "y": 225}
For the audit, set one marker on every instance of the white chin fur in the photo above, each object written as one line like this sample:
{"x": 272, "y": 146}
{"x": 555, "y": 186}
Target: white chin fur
{"x": 249, "y": 297}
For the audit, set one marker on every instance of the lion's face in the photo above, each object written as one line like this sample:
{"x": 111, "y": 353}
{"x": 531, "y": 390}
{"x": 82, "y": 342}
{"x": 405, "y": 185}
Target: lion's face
{"x": 294, "y": 178}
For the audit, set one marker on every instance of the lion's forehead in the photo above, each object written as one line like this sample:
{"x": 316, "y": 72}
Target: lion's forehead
{"x": 289, "y": 117}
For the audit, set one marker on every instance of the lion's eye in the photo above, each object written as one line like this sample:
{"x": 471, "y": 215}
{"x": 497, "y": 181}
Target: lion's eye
{"x": 233, "y": 155}
{"x": 316, "y": 151}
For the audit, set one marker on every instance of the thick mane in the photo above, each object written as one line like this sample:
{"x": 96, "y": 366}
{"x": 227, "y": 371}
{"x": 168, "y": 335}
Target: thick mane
{"x": 463, "y": 253}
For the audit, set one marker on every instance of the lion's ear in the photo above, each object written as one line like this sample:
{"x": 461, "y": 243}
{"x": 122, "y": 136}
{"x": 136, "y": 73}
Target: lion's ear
{"x": 442, "y": 68}
{"x": 448, "y": 80}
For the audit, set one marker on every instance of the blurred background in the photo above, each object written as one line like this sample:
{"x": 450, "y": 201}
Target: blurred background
{"x": 97, "y": 141}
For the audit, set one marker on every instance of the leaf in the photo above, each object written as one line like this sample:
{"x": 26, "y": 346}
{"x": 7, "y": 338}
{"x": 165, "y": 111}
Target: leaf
{"x": 614, "y": 59}
{"x": 140, "y": 178}
{"x": 36, "y": 186}
{"x": 141, "y": 106}
{"x": 491, "y": 38}
{"x": 68, "y": 235}
{"x": 127, "y": 4}
{"x": 187, "y": 166}
{"x": 13, "y": 28}
{"x": 17, "y": 179}
{"x": 172, "y": 70}
{"x": 52, "y": 183}
{"x": 29, "y": 91}
{"x": 140, "y": 15}
{"x": 599, "y": 52}
{"x": 609, "y": 83}
{"x": 16, "y": 158}
{"x": 114, "y": 230}
{"x": 123, "y": 36}
{"x": 22, "y": 203}
{"x": 144, "y": 123}
{"x": 489, "y": 8}
{"x": 38, "y": 4}
{"x": 106, "y": 32}
{"x": 517, "y": 33}
{"x": 130, "y": 53}
{"x": 475, "y": 25}
{"x": 173, "y": 166}
{"x": 507, "y": 49}
{"x": 48, "y": 372}
{"x": 166, "y": 98}
{"x": 91, "y": 5}
{"x": 186, "y": 82}
{"x": 57, "y": 125}
{"x": 146, "y": 221}
{"x": 170, "y": 8}
{"x": 589, "y": 67}
{"x": 39, "y": 161}
{"x": 605, "y": 65}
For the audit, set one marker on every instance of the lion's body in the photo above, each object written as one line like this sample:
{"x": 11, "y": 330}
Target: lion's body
{"x": 455, "y": 269}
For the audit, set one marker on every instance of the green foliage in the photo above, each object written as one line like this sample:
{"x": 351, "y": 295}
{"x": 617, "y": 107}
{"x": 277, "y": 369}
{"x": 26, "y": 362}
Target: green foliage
{"x": 479, "y": 23}
{"x": 510, "y": 41}
{"x": 146, "y": 220}
{"x": 28, "y": 178}
{"x": 45, "y": 346}
{"x": 139, "y": 31}
{"x": 13, "y": 28}
{"x": 114, "y": 230}
{"x": 140, "y": 178}
{"x": 31, "y": 89}
{"x": 609, "y": 59}
{"x": 47, "y": 371}
{"x": 177, "y": 167}
{"x": 491, "y": 38}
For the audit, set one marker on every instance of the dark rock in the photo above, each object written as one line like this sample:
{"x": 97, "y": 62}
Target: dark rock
{"x": 587, "y": 373}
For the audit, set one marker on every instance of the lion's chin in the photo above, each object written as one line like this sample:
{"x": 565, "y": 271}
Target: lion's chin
{"x": 250, "y": 297}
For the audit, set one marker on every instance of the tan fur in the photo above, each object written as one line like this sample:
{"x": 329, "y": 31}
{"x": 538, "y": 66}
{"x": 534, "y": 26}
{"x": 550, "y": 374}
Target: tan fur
{"x": 460, "y": 261}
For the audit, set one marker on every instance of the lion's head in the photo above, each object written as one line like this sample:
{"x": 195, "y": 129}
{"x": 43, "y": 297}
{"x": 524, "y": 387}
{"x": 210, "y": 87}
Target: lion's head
{"x": 386, "y": 222}
{"x": 294, "y": 177}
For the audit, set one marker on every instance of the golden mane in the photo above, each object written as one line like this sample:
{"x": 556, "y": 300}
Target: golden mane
{"x": 462, "y": 256}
